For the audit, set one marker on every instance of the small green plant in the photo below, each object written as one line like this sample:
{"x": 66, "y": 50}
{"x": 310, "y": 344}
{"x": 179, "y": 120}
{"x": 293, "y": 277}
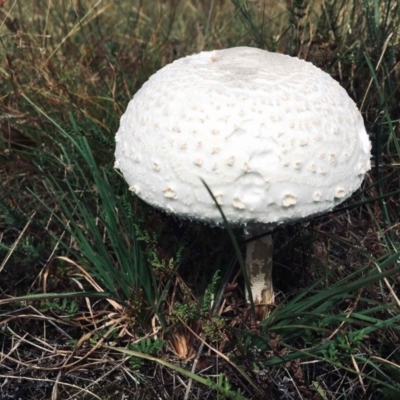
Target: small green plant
{"x": 213, "y": 327}
{"x": 32, "y": 249}
{"x": 162, "y": 268}
{"x": 209, "y": 295}
{"x": 332, "y": 354}
{"x": 185, "y": 311}
{"x": 103, "y": 334}
{"x": 349, "y": 343}
{"x": 224, "y": 389}
{"x": 147, "y": 346}
{"x": 66, "y": 307}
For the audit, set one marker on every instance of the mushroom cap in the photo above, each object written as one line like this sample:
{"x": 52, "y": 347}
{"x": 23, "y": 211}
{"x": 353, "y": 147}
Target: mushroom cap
{"x": 274, "y": 137}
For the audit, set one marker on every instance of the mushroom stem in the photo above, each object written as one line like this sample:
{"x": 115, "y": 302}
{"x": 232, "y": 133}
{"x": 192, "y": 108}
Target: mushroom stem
{"x": 259, "y": 269}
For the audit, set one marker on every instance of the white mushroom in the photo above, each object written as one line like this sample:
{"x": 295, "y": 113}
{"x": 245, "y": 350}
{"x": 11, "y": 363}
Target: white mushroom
{"x": 274, "y": 137}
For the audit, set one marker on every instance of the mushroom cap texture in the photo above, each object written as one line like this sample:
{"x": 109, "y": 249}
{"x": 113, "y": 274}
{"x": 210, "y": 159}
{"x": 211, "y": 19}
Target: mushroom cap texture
{"x": 274, "y": 137}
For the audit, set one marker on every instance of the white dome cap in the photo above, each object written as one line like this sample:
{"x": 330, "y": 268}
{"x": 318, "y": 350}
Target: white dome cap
{"x": 274, "y": 137}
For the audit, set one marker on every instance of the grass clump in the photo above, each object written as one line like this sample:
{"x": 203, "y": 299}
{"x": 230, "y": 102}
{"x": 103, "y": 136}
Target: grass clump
{"x": 103, "y": 296}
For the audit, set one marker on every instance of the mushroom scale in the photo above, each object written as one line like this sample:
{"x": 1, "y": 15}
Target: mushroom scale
{"x": 274, "y": 137}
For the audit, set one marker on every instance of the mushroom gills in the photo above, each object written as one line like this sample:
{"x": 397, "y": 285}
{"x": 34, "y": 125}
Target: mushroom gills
{"x": 259, "y": 270}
